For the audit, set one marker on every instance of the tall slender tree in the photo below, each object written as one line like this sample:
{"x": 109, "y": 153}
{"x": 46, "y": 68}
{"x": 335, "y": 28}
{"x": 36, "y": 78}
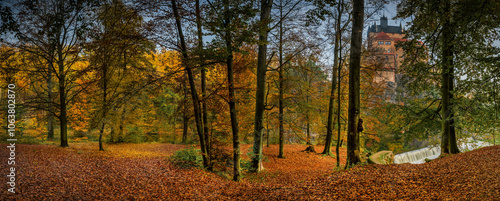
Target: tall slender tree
{"x": 117, "y": 42}
{"x": 353, "y": 151}
{"x": 265, "y": 12}
{"x": 288, "y": 14}
{"x": 232, "y": 101}
{"x": 194, "y": 94}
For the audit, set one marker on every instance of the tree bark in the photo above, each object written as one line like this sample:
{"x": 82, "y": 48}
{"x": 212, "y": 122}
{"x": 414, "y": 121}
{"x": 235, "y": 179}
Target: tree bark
{"x": 329, "y": 126}
{"x": 63, "y": 119}
{"x": 50, "y": 116}
{"x": 353, "y": 152}
{"x": 185, "y": 124}
{"x": 453, "y": 137}
{"x": 232, "y": 103}
{"x": 446, "y": 71}
{"x": 203, "y": 77}
{"x": 261, "y": 84}
{"x": 337, "y": 147}
{"x": 104, "y": 104}
{"x": 194, "y": 94}
{"x": 185, "y": 118}
{"x": 281, "y": 90}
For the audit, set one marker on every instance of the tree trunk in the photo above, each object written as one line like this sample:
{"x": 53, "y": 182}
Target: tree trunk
{"x": 185, "y": 118}
{"x": 63, "y": 119}
{"x": 446, "y": 59}
{"x": 232, "y": 103}
{"x": 338, "y": 110}
{"x": 234, "y": 120}
{"x": 329, "y": 126}
{"x": 281, "y": 90}
{"x": 50, "y": 116}
{"x": 194, "y": 94}
{"x": 101, "y": 133}
{"x": 185, "y": 124}
{"x": 203, "y": 77}
{"x": 104, "y": 104}
{"x": 353, "y": 152}
{"x": 267, "y": 130}
{"x": 453, "y": 137}
{"x": 261, "y": 84}
{"x": 308, "y": 131}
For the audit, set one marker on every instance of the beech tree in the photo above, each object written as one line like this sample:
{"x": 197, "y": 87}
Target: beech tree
{"x": 332, "y": 10}
{"x": 353, "y": 151}
{"x": 230, "y": 23}
{"x": 55, "y": 32}
{"x": 451, "y": 34}
{"x": 117, "y": 48}
{"x": 265, "y": 12}
{"x": 194, "y": 93}
{"x": 290, "y": 44}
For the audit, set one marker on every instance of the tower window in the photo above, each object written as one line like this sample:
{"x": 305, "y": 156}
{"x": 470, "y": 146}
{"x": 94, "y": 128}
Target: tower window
{"x": 381, "y": 42}
{"x": 387, "y": 42}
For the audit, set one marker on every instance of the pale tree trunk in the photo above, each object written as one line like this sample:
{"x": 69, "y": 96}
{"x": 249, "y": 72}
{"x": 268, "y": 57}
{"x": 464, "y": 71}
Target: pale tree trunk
{"x": 194, "y": 94}
{"x": 353, "y": 152}
{"x": 265, "y": 6}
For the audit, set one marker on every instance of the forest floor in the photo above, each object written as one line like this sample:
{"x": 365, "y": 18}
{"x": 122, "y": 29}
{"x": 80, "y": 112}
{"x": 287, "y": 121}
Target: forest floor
{"x": 142, "y": 172}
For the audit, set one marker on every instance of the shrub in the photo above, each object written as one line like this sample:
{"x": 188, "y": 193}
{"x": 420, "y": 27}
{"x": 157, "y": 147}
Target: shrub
{"x": 220, "y": 155}
{"x": 187, "y": 158}
{"x": 246, "y": 165}
{"x": 133, "y": 135}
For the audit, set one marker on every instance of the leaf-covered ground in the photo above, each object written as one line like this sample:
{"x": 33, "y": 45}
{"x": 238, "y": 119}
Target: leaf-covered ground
{"x": 141, "y": 172}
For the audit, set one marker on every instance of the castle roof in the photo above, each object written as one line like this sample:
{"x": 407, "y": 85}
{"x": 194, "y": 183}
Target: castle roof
{"x": 387, "y": 29}
{"x": 384, "y": 27}
{"x": 382, "y": 36}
